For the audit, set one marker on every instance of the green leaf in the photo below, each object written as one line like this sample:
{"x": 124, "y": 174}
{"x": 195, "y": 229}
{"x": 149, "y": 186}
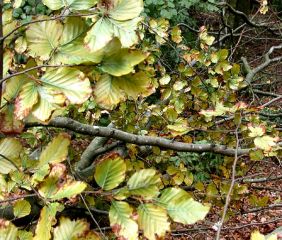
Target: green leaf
{"x": 7, "y": 61}
{"x": 144, "y": 183}
{"x": 8, "y": 123}
{"x": 69, "y": 190}
{"x": 56, "y": 151}
{"x": 26, "y": 99}
{"x": 222, "y": 54}
{"x": 256, "y": 235}
{"x": 72, "y": 4}
{"x": 266, "y": 143}
{"x": 135, "y": 85}
{"x": 110, "y": 172}
{"x": 122, "y": 62}
{"x": 49, "y": 101}
{"x": 24, "y": 235}
{"x": 71, "y": 49}
{"x": 51, "y": 189}
{"x": 9, "y": 24}
{"x": 105, "y": 29}
{"x": 13, "y": 87}
{"x": 76, "y": 53}
{"x": 43, "y": 38}
{"x": 46, "y": 220}
{"x": 74, "y": 28}
{"x": 181, "y": 207}
{"x": 52, "y": 90}
{"x": 7, "y": 230}
{"x": 40, "y": 174}
{"x": 123, "y": 10}
{"x": 153, "y": 220}
{"x": 109, "y": 91}
{"x": 21, "y": 208}
{"x": 71, "y": 82}
{"x": 69, "y": 229}
{"x": 10, "y": 148}
{"x": 121, "y": 22}
{"x": 121, "y": 221}
{"x": 176, "y": 34}
{"x": 256, "y": 155}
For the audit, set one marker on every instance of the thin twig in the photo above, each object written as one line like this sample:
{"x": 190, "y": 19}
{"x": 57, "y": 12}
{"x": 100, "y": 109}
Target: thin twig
{"x": 34, "y": 68}
{"x": 17, "y": 198}
{"x": 2, "y": 38}
{"x": 233, "y": 181}
{"x": 93, "y": 218}
{"x": 263, "y": 208}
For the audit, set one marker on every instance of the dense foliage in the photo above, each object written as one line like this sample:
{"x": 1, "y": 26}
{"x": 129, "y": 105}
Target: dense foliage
{"x": 107, "y": 63}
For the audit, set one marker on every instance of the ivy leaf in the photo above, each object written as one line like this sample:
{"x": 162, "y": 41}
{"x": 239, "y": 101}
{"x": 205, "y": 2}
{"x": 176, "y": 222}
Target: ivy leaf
{"x": 110, "y": 172}
{"x": 10, "y": 148}
{"x": 7, "y": 231}
{"x": 144, "y": 183}
{"x": 122, "y": 62}
{"x": 56, "y": 151}
{"x": 71, "y": 4}
{"x": 121, "y": 220}
{"x": 43, "y": 38}
{"x": 45, "y": 222}
{"x": 181, "y": 207}
{"x": 21, "y": 208}
{"x": 153, "y": 220}
{"x": 69, "y": 229}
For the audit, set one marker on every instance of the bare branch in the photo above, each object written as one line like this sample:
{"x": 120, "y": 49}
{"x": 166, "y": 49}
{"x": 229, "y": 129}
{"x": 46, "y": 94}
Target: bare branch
{"x": 90, "y": 152}
{"x": 260, "y": 180}
{"x": 226, "y": 228}
{"x": 245, "y": 17}
{"x": 272, "y": 206}
{"x": 267, "y": 61}
{"x": 67, "y": 123}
